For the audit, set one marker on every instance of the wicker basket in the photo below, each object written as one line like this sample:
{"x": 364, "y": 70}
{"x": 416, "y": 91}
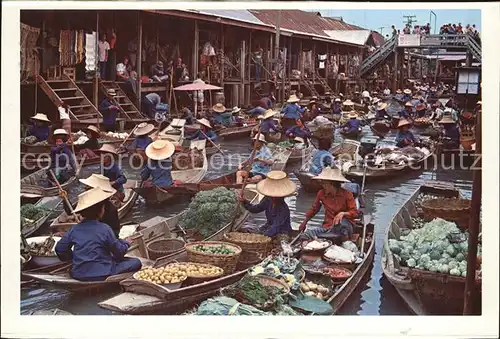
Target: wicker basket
{"x": 162, "y": 247}
{"x": 450, "y": 209}
{"x": 270, "y": 281}
{"x": 250, "y": 242}
{"x": 248, "y": 259}
{"x": 227, "y": 262}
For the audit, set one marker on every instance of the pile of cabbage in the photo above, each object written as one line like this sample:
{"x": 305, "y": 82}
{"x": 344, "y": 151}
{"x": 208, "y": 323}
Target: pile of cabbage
{"x": 429, "y": 248}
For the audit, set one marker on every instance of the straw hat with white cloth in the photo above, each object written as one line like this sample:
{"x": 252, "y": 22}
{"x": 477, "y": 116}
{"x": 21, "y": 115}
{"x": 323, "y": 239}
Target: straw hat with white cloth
{"x": 375, "y": 100}
{"x": 260, "y": 137}
{"x": 144, "y": 129}
{"x": 348, "y": 102}
{"x": 204, "y": 122}
{"x": 236, "y": 109}
{"x": 91, "y": 197}
{"x": 219, "y": 108}
{"x": 93, "y": 129}
{"x": 331, "y": 174}
{"x": 267, "y": 114}
{"x": 382, "y": 105}
{"x": 40, "y": 117}
{"x": 403, "y": 122}
{"x": 276, "y": 185}
{"x": 111, "y": 92}
{"x": 293, "y": 98}
{"x": 160, "y": 149}
{"x": 407, "y": 91}
{"x": 107, "y": 148}
{"x": 408, "y": 104}
{"x": 60, "y": 131}
{"x": 98, "y": 180}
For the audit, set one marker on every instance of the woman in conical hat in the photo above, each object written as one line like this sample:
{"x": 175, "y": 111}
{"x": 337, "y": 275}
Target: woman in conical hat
{"x": 405, "y": 137}
{"x": 142, "y": 138}
{"x": 340, "y": 206}
{"x": 352, "y": 125}
{"x": 92, "y": 144}
{"x": 91, "y": 246}
{"x": 292, "y": 109}
{"x": 111, "y": 169}
{"x": 256, "y": 168}
{"x": 40, "y": 128}
{"x": 268, "y": 124}
{"x": 159, "y": 165}
{"x": 381, "y": 111}
{"x": 299, "y": 130}
{"x": 62, "y": 159}
{"x": 451, "y": 133}
{"x": 275, "y": 187}
{"x": 205, "y": 132}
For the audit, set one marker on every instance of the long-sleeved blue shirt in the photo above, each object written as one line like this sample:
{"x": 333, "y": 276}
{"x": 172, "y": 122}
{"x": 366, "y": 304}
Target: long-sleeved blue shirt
{"x": 258, "y": 167}
{"x": 292, "y": 111}
{"x": 198, "y": 135}
{"x": 299, "y": 132}
{"x": 402, "y": 135}
{"x": 269, "y": 125}
{"x": 62, "y": 157}
{"x": 452, "y": 132}
{"x": 115, "y": 173}
{"x": 320, "y": 160}
{"x": 154, "y": 98}
{"x": 160, "y": 172}
{"x": 256, "y": 111}
{"x": 404, "y": 114}
{"x": 406, "y": 97}
{"x": 352, "y": 125}
{"x": 109, "y": 114}
{"x": 141, "y": 142}
{"x": 95, "y": 249}
{"x": 40, "y": 132}
{"x": 277, "y": 214}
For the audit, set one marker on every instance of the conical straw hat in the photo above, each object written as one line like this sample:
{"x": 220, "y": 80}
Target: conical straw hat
{"x": 403, "y": 122}
{"x": 331, "y": 174}
{"x": 236, "y": 109}
{"x": 408, "y": 104}
{"x": 276, "y": 185}
{"x": 160, "y": 150}
{"x": 293, "y": 98}
{"x": 299, "y": 139}
{"x": 352, "y": 115}
{"x": 219, "y": 108}
{"x": 93, "y": 129}
{"x": 337, "y": 100}
{"x": 204, "y": 122}
{"x": 447, "y": 119}
{"x": 98, "y": 180}
{"x": 399, "y": 91}
{"x": 267, "y": 114}
{"x": 60, "y": 131}
{"x": 407, "y": 91}
{"x": 144, "y": 129}
{"x": 348, "y": 102}
{"x": 40, "y": 117}
{"x": 382, "y": 105}
{"x": 91, "y": 197}
{"x": 111, "y": 92}
{"x": 375, "y": 100}
{"x": 260, "y": 137}
{"x": 107, "y": 148}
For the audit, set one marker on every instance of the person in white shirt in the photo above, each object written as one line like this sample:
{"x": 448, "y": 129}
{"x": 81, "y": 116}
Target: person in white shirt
{"x": 64, "y": 118}
{"x": 103, "y": 46}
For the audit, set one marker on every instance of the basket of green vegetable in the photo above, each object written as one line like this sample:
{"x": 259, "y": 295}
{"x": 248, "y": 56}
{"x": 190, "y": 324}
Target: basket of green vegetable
{"x": 221, "y": 254}
{"x": 250, "y": 242}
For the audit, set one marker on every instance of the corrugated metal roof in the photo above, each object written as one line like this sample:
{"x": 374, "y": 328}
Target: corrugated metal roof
{"x": 357, "y": 37}
{"x": 236, "y": 15}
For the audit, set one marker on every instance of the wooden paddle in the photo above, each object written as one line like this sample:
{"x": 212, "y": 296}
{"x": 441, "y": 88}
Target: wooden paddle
{"x": 65, "y": 196}
{"x": 252, "y": 155}
{"x": 213, "y": 143}
{"x": 367, "y": 218}
{"x": 128, "y": 136}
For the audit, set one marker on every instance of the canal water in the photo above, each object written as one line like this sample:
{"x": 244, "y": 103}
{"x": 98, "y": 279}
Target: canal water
{"x": 374, "y": 295}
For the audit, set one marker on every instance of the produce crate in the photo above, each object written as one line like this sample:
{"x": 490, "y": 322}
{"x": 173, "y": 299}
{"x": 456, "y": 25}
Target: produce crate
{"x": 227, "y": 262}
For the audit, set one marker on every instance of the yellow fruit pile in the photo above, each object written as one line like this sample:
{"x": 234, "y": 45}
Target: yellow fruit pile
{"x": 198, "y": 270}
{"x": 161, "y": 275}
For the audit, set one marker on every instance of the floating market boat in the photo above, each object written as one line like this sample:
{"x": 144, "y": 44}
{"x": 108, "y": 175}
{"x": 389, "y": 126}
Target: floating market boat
{"x": 174, "y": 132}
{"x": 47, "y": 203}
{"x": 424, "y": 292}
{"x": 30, "y": 184}
{"x": 298, "y": 154}
{"x": 63, "y": 222}
{"x": 236, "y": 131}
{"x": 351, "y": 135}
{"x": 156, "y": 195}
{"x": 43, "y": 160}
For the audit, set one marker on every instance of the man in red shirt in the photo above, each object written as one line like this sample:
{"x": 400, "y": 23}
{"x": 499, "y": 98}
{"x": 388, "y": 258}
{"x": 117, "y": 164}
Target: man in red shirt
{"x": 340, "y": 206}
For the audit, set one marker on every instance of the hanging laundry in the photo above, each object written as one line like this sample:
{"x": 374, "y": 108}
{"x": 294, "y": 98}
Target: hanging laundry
{"x": 90, "y": 51}
{"x": 322, "y": 61}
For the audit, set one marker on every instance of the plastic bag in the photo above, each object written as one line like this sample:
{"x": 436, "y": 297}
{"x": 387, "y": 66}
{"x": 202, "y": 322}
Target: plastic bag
{"x": 338, "y": 253}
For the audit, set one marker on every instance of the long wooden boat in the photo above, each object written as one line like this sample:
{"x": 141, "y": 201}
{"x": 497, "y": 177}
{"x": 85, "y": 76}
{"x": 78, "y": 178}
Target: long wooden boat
{"x": 45, "y": 148}
{"x": 30, "y": 184}
{"x": 300, "y": 154}
{"x": 174, "y": 132}
{"x": 236, "y": 131}
{"x": 424, "y": 292}
{"x": 48, "y": 203}
{"x": 58, "y": 225}
{"x": 459, "y": 157}
{"x": 43, "y": 160}
{"x": 156, "y": 195}
{"x": 351, "y": 135}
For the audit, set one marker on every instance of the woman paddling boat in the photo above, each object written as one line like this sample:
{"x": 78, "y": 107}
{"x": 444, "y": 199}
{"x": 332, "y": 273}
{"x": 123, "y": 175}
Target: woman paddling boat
{"x": 451, "y": 133}
{"x": 62, "y": 160}
{"x": 322, "y": 158}
{"x": 91, "y": 145}
{"x": 275, "y": 188}
{"x": 142, "y": 138}
{"x": 40, "y": 128}
{"x": 159, "y": 165}
{"x": 405, "y": 137}
{"x": 299, "y": 130}
{"x": 91, "y": 245}
{"x": 260, "y": 165}
{"x": 111, "y": 169}
{"x": 205, "y": 132}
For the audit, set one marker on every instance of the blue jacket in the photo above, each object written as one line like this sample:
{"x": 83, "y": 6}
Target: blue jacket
{"x": 352, "y": 124}
{"x": 141, "y": 142}
{"x": 292, "y": 111}
{"x": 160, "y": 172}
{"x": 62, "y": 157}
{"x": 109, "y": 115}
{"x": 40, "y": 132}
{"x": 402, "y": 136}
{"x": 269, "y": 125}
{"x": 198, "y": 135}
{"x": 154, "y": 98}
{"x": 115, "y": 173}
{"x": 256, "y": 111}
{"x": 96, "y": 249}
{"x": 320, "y": 160}
{"x": 277, "y": 215}
{"x": 406, "y": 97}
{"x": 258, "y": 167}
{"x": 299, "y": 132}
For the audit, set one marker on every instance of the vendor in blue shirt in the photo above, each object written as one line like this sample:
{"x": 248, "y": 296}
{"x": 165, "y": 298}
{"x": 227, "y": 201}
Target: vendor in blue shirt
{"x": 274, "y": 188}
{"x": 258, "y": 110}
{"x": 352, "y": 125}
{"x": 337, "y": 107}
{"x": 399, "y": 95}
{"x": 159, "y": 164}
{"x": 405, "y": 137}
{"x": 62, "y": 159}
{"x": 451, "y": 133}
{"x": 111, "y": 169}
{"x": 204, "y": 133}
{"x": 268, "y": 124}
{"x": 259, "y": 165}
{"x": 299, "y": 130}
{"x": 381, "y": 111}
{"x": 292, "y": 110}
{"x": 406, "y": 113}
{"x": 407, "y": 95}
{"x": 142, "y": 138}
{"x": 421, "y": 110}
{"x": 322, "y": 158}
{"x": 40, "y": 128}
{"x": 109, "y": 111}
{"x": 91, "y": 246}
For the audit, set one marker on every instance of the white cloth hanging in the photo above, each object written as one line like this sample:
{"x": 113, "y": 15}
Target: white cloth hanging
{"x": 90, "y": 51}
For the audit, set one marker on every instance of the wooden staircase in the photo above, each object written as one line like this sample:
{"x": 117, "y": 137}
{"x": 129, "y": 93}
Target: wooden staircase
{"x": 310, "y": 86}
{"x": 65, "y": 89}
{"x": 324, "y": 83}
{"x": 128, "y": 110}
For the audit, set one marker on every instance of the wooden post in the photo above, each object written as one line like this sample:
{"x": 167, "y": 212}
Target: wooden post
{"x": 249, "y": 62}
{"x": 301, "y": 65}
{"x": 289, "y": 60}
{"x": 96, "y": 79}
{"x": 409, "y": 64}
{"x": 157, "y": 38}
{"x": 314, "y": 64}
{"x": 277, "y": 40}
{"x": 326, "y": 64}
{"x": 470, "y": 294}
{"x": 243, "y": 53}
{"x": 139, "y": 59}
{"x": 222, "y": 59}
{"x": 196, "y": 47}
{"x": 395, "y": 71}
{"x": 338, "y": 64}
